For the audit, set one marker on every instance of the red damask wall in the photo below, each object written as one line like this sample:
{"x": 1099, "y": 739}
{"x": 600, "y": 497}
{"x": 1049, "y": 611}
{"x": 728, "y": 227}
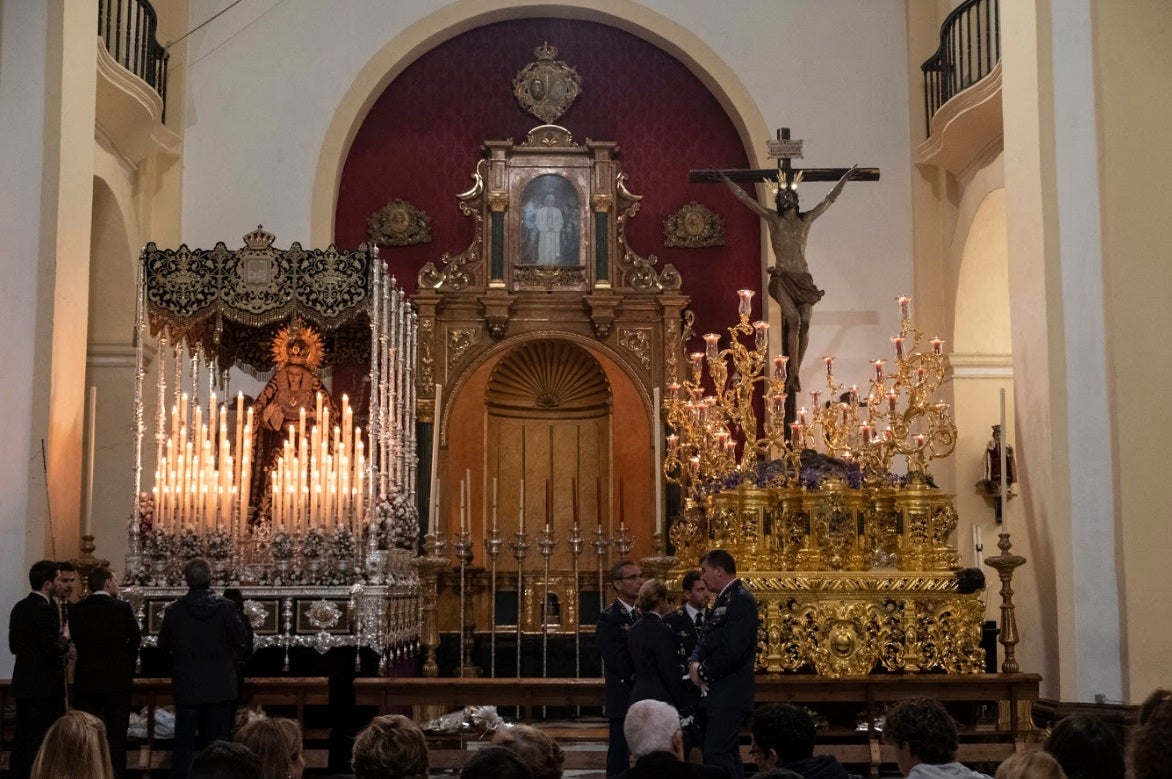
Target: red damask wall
{"x": 421, "y": 142}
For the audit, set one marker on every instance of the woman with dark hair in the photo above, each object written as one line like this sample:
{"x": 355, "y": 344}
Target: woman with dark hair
{"x": 1086, "y": 748}
{"x": 660, "y": 672}
{"x": 1151, "y": 741}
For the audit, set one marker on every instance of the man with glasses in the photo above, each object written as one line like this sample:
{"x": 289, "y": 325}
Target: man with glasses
{"x": 618, "y": 669}
{"x": 723, "y": 662}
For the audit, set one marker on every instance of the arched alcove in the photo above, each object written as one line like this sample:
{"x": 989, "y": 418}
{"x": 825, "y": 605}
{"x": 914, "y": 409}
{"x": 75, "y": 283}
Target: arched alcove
{"x": 981, "y": 319}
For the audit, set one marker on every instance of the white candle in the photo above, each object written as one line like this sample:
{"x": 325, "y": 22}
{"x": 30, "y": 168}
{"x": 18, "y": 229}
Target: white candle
{"x": 1004, "y": 469}
{"x": 89, "y": 501}
{"x": 463, "y": 486}
{"x": 435, "y": 440}
{"x": 494, "y": 503}
{"x": 521, "y": 523}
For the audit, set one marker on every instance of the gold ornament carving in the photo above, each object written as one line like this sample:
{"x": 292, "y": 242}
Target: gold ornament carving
{"x": 460, "y": 340}
{"x": 638, "y": 343}
{"x": 426, "y": 356}
{"x": 498, "y": 202}
{"x": 399, "y": 223}
{"x": 549, "y": 276}
{"x": 546, "y": 87}
{"x": 693, "y": 227}
{"x": 601, "y": 203}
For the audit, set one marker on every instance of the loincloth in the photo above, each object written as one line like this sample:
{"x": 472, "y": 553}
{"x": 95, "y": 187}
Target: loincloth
{"x": 798, "y": 287}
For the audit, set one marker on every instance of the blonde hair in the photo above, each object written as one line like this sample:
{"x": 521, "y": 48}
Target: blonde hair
{"x": 275, "y": 742}
{"x": 391, "y": 747}
{"x": 539, "y": 751}
{"x": 1035, "y": 764}
{"x": 75, "y": 747}
{"x": 652, "y": 596}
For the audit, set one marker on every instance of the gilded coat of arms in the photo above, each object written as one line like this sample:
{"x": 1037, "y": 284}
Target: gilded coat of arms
{"x": 399, "y": 223}
{"x": 693, "y": 227}
{"x": 546, "y": 87}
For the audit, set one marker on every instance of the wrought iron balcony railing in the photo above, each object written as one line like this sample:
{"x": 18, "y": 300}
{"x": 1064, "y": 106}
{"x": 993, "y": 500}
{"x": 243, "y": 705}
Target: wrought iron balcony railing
{"x": 128, "y": 27}
{"x": 970, "y": 46}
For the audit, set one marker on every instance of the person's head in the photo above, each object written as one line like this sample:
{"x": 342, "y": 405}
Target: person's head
{"x": 539, "y": 751}
{"x": 236, "y": 596}
{"x": 75, "y": 745}
{"x": 391, "y": 747}
{"x": 922, "y": 731}
{"x": 42, "y": 577}
{"x": 695, "y": 591}
{"x": 1151, "y": 741}
{"x": 198, "y": 574}
{"x": 66, "y": 580}
{"x": 1034, "y": 764}
{"x": 653, "y": 726}
{"x": 224, "y": 760}
{"x": 1086, "y": 748}
{"x": 777, "y": 773}
{"x": 652, "y": 596}
{"x": 495, "y": 763}
{"x": 626, "y": 577}
{"x": 782, "y": 733}
{"x": 787, "y": 198}
{"x": 717, "y": 569}
{"x": 102, "y": 579}
{"x": 276, "y": 746}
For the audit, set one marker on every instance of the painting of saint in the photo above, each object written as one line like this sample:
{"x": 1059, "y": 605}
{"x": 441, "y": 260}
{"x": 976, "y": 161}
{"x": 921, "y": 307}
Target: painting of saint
{"x": 550, "y": 214}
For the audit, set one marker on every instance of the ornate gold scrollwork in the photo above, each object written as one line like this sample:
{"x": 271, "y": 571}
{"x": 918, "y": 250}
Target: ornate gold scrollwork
{"x": 638, "y": 343}
{"x": 546, "y": 87}
{"x": 460, "y": 340}
{"x": 694, "y": 226}
{"x": 399, "y": 223}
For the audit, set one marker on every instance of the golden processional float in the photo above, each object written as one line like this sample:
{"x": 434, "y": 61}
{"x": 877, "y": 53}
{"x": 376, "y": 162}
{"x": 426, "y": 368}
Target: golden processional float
{"x": 853, "y": 565}
{"x": 303, "y": 498}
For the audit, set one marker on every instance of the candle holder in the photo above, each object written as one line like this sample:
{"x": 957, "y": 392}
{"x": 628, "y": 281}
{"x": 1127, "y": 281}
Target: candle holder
{"x": 1005, "y": 564}
{"x": 576, "y": 543}
{"x": 546, "y": 541}
{"x": 492, "y": 548}
{"x": 601, "y": 546}
{"x": 622, "y": 541}
{"x": 520, "y": 548}
{"x": 463, "y": 547}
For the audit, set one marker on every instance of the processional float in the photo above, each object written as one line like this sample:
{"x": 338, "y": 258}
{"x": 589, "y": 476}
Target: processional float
{"x": 302, "y": 498}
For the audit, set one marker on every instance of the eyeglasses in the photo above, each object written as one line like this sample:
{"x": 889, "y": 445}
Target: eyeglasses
{"x": 629, "y": 578}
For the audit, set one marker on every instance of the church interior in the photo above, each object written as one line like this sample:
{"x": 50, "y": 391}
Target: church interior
{"x": 475, "y": 259}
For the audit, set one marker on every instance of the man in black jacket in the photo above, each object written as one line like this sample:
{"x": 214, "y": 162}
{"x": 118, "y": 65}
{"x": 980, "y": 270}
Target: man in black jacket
{"x": 206, "y": 641}
{"x": 723, "y": 663}
{"x": 687, "y": 624}
{"x": 38, "y": 678}
{"x": 783, "y": 737}
{"x": 107, "y": 638}
{"x": 614, "y": 623}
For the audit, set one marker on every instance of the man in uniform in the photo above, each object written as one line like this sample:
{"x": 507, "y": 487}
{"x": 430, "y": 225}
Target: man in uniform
{"x": 614, "y": 623}
{"x": 687, "y": 624}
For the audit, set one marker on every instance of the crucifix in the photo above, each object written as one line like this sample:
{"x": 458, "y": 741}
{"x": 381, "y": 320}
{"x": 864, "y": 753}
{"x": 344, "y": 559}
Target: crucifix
{"x": 790, "y": 281}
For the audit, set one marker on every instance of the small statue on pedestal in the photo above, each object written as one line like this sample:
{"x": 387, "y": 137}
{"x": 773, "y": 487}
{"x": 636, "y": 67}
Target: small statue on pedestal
{"x": 990, "y": 486}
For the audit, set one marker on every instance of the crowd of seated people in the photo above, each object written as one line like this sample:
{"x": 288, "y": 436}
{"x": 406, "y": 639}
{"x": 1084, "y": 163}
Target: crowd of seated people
{"x": 921, "y": 731}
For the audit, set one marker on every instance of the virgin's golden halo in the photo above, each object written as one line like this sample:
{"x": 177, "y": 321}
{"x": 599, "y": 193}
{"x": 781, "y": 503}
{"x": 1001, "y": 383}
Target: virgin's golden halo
{"x": 298, "y": 344}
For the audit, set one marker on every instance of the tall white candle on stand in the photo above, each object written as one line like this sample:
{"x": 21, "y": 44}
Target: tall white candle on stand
{"x": 1004, "y": 472}
{"x": 463, "y": 486}
{"x": 521, "y": 523}
{"x": 658, "y": 475}
{"x": 435, "y": 438}
{"x": 494, "y": 503}
{"x": 89, "y": 499}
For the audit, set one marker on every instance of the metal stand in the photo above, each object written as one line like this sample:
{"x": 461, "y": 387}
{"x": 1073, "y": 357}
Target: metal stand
{"x": 520, "y": 548}
{"x": 463, "y": 548}
{"x": 1005, "y": 564}
{"x": 492, "y": 547}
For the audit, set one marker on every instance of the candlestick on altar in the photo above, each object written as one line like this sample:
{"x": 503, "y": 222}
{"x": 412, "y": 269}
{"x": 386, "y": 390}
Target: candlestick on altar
{"x": 492, "y": 548}
{"x": 601, "y": 546}
{"x": 520, "y": 548}
{"x": 463, "y": 547}
{"x": 546, "y": 541}
{"x": 576, "y": 543}
{"x": 1005, "y": 564}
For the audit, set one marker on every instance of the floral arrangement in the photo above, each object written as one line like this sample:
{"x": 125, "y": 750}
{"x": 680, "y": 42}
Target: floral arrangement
{"x": 343, "y": 544}
{"x": 282, "y": 546}
{"x": 188, "y": 544}
{"x": 144, "y": 513}
{"x": 314, "y": 545}
{"x": 398, "y": 523}
{"x": 160, "y": 545}
{"x": 219, "y": 545}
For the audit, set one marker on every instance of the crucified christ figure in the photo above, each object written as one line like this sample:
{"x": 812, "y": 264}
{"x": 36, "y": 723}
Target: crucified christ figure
{"x": 790, "y": 282}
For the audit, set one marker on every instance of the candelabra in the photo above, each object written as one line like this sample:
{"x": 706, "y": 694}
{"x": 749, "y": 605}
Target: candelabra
{"x": 546, "y": 541}
{"x": 492, "y": 548}
{"x": 520, "y": 548}
{"x": 576, "y": 542}
{"x": 1005, "y": 564}
{"x": 463, "y": 547}
{"x": 601, "y": 546}
{"x": 710, "y": 415}
{"x": 623, "y": 541}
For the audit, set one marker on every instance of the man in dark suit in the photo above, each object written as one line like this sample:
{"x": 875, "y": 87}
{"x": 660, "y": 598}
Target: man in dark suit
{"x": 613, "y": 625}
{"x": 38, "y": 678}
{"x": 722, "y": 664}
{"x": 206, "y": 641}
{"x": 653, "y": 731}
{"x": 106, "y": 636}
{"x": 687, "y": 624}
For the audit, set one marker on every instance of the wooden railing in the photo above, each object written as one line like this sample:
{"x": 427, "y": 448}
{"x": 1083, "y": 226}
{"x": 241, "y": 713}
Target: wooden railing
{"x": 970, "y": 45}
{"x": 128, "y": 28}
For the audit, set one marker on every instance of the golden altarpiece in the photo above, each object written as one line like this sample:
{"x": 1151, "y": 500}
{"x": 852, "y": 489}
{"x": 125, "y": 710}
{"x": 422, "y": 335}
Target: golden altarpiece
{"x": 553, "y": 358}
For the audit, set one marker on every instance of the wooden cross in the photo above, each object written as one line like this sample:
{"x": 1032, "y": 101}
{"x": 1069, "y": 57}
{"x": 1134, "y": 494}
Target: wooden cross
{"x": 784, "y": 150}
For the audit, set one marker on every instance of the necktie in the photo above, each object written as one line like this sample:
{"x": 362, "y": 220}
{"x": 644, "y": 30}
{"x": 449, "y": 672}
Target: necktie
{"x": 699, "y": 619}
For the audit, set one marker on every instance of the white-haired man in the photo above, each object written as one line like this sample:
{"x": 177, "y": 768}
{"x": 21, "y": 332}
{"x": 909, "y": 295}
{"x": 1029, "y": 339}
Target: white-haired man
{"x": 654, "y": 737}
